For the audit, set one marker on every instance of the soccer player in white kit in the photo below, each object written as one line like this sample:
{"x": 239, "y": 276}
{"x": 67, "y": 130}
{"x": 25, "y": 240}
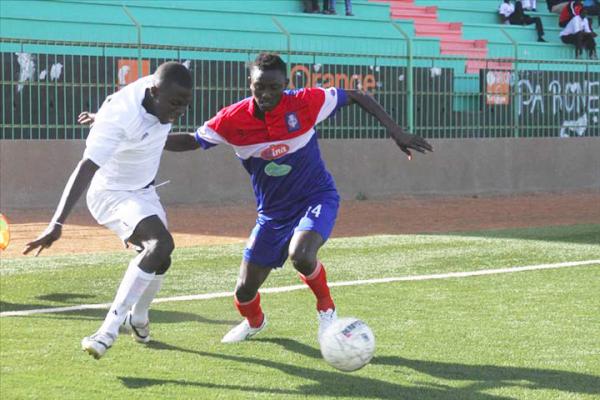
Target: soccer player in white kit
{"x": 120, "y": 162}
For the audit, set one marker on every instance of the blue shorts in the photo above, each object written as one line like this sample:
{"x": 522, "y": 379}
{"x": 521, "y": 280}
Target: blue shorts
{"x": 269, "y": 241}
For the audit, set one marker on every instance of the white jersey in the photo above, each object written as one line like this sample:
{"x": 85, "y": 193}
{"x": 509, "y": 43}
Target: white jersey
{"x": 576, "y": 24}
{"x": 506, "y": 9}
{"x": 126, "y": 141}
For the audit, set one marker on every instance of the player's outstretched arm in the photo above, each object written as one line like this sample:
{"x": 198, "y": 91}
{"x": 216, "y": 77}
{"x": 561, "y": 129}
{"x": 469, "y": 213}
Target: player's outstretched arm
{"x": 180, "y": 141}
{"x": 403, "y": 139}
{"x": 175, "y": 141}
{"x": 77, "y": 183}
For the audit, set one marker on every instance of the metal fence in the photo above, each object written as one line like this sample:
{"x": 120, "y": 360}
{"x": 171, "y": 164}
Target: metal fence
{"x": 45, "y": 85}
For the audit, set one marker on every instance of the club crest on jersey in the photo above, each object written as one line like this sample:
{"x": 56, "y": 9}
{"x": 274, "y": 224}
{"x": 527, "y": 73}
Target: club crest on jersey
{"x": 292, "y": 121}
{"x": 274, "y": 151}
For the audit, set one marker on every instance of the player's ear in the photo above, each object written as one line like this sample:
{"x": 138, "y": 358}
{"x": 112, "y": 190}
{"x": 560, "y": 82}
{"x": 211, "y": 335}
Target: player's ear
{"x": 154, "y": 92}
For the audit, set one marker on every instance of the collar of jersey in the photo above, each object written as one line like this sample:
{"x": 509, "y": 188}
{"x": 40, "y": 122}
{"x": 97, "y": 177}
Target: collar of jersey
{"x": 148, "y": 82}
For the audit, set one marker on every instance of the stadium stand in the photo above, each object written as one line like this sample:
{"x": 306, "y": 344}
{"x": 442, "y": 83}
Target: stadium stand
{"x": 461, "y": 36}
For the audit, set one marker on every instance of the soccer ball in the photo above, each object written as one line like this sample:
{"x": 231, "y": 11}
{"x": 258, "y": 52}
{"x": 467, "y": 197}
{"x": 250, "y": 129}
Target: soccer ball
{"x": 348, "y": 344}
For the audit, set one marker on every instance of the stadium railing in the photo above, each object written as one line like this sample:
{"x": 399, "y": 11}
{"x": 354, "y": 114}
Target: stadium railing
{"x": 513, "y": 92}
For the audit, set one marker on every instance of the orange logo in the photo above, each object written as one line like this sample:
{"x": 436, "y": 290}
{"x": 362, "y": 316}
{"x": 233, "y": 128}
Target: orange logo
{"x": 128, "y": 71}
{"x": 365, "y": 82}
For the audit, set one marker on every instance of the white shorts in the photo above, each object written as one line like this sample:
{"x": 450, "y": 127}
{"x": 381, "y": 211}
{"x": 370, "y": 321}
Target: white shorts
{"x": 121, "y": 210}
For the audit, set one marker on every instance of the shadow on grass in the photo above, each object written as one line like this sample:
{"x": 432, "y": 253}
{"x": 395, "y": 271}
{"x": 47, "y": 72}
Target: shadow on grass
{"x": 320, "y": 383}
{"x": 156, "y": 315}
{"x": 485, "y": 376}
{"x": 64, "y": 298}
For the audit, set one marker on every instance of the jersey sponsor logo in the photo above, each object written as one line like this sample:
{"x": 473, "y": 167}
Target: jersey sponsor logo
{"x": 292, "y": 121}
{"x": 274, "y": 151}
{"x": 275, "y": 170}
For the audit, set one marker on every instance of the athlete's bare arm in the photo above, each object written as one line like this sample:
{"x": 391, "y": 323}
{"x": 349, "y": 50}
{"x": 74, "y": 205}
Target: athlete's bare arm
{"x": 403, "y": 139}
{"x": 181, "y": 141}
{"x": 77, "y": 183}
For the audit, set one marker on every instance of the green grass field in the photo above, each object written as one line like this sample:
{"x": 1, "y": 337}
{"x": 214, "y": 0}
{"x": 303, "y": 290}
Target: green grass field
{"x": 522, "y": 335}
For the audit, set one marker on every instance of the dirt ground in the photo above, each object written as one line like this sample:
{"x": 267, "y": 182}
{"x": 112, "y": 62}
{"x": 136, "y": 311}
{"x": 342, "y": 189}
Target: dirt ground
{"x": 217, "y": 224}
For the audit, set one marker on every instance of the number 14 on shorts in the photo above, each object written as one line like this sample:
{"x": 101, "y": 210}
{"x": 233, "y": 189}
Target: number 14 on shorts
{"x": 316, "y": 211}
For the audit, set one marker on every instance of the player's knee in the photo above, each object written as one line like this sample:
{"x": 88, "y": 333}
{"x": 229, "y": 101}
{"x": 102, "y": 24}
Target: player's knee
{"x": 160, "y": 249}
{"x": 164, "y": 268}
{"x": 303, "y": 261}
{"x": 245, "y": 292}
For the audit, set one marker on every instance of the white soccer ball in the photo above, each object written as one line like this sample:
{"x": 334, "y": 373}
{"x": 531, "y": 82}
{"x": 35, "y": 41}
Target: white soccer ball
{"x": 348, "y": 344}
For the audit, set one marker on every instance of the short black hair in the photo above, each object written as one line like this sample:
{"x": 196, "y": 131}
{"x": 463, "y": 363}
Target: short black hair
{"x": 270, "y": 62}
{"x": 173, "y": 72}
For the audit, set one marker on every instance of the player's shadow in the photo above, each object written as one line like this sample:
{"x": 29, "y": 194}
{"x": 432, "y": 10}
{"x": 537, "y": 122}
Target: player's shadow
{"x": 65, "y": 297}
{"x": 321, "y": 383}
{"x": 484, "y": 376}
{"x": 156, "y": 316}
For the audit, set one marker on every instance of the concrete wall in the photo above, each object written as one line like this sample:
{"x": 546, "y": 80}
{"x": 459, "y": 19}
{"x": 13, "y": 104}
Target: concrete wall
{"x": 33, "y": 173}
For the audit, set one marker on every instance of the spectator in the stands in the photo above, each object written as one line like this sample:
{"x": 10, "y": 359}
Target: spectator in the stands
{"x": 329, "y": 7}
{"x": 592, "y": 7}
{"x": 514, "y": 15}
{"x": 311, "y": 6}
{"x": 530, "y": 5}
{"x": 579, "y": 33}
{"x": 556, "y": 6}
{"x": 572, "y": 9}
{"x": 505, "y": 10}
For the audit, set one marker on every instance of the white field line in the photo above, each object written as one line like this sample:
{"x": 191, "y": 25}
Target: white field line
{"x": 282, "y": 289}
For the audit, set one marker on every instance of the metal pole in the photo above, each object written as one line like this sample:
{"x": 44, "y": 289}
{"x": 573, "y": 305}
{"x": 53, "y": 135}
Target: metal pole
{"x": 289, "y": 43}
{"x": 410, "y": 98}
{"x": 514, "y": 88}
{"x": 138, "y": 27}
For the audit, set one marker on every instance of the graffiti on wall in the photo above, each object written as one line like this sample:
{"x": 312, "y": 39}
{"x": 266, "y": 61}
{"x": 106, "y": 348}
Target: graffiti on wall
{"x": 572, "y": 100}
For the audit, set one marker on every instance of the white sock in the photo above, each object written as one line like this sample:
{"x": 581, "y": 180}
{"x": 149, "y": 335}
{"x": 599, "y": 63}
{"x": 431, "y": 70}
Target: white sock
{"x": 132, "y": 287}
{"x": 139, "y": 312}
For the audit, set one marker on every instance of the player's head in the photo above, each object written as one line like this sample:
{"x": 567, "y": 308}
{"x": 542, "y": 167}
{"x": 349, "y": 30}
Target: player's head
{"x": 172, "y": 91}
{"x": 268, "y": 80}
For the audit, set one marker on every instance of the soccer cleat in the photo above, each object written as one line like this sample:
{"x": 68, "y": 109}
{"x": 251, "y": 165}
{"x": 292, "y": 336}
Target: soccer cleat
{"x": 326, "y": 318}
{"x": 243, "y": 331}
{"x": 139, "y": 333}
{"x": 97, "y": 344}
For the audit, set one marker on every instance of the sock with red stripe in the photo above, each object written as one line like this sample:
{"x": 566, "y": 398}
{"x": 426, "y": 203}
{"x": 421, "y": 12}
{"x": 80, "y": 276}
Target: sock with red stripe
{"x": 317, "y": 281}
{"x": 251, "y": 310}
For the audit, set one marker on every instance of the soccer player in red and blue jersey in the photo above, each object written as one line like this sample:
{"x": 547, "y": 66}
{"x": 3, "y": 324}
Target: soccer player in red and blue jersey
{"x": 273, "y": 134}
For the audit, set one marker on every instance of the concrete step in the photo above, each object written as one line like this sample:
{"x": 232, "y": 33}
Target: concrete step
{"x": 473, "y": 66}
{"x": 441, "y": 30}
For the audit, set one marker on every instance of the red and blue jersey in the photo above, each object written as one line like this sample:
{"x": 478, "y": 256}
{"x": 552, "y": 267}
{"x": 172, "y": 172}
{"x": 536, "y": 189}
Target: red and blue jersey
{"x": 280, "y": 153}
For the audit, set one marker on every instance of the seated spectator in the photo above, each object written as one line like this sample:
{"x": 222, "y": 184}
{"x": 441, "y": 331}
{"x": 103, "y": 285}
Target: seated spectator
{"x": 530, "y": 5}
{"x": 329, "y": 7}
{"x": 572, "y": 9}
{"x": 311, "y": 6}
{"x": 592, "y": 7}
{"x": 514, "y": 15}
{"x": 579, "y": 33}
{"x": 556, "y": 6}
{"x": 506, "y": 9}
